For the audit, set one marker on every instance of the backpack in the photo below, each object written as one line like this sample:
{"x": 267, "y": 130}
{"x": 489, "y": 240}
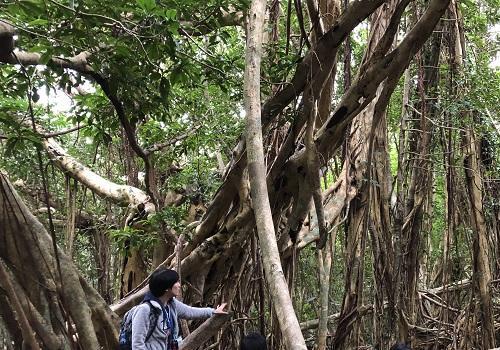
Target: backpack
{"x": 125, "y": 337}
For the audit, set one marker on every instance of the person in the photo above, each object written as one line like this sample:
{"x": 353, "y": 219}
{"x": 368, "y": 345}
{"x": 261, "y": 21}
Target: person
{"x": 253, "y": 341}
{"x": 400, "y": 346}
{"x": 164, "y": 287}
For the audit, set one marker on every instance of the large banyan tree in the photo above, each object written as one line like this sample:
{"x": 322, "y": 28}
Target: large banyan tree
{"x": 328, "y": 168}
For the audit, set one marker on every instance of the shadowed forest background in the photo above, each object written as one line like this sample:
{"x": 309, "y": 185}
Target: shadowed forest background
{"x": 368, "y": 213}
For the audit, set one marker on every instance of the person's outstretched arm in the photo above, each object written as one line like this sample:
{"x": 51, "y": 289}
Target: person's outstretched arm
{"x": 190, "y": 312}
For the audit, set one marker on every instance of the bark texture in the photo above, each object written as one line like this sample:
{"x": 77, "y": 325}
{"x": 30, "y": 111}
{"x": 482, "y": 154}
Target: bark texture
{"x": 481, "y": 248}
{"x": 283, "y": 307}
{"x": 26, "y": 252}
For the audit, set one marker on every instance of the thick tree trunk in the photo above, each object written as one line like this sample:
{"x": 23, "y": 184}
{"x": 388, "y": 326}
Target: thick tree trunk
{"x": 481, "y": 263}
{"x": 420, "y": 179}
{"x": 381, "y": 241}
{"x": 29, "y": 341}
{"x": 443, "y": 271}
{"x": 229, "y": 217}
{"x": 365, "y": 134}
{"x": 47, "y": 284}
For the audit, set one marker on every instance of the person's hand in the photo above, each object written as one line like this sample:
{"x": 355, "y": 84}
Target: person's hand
{"x": 220, "y": 309}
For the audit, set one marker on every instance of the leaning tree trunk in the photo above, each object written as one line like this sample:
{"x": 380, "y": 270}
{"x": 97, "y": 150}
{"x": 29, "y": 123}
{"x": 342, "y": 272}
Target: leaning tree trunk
{"x": 138, "y": 202}
{"x": 289, "y": 324}
{"x": 53, "y": 300}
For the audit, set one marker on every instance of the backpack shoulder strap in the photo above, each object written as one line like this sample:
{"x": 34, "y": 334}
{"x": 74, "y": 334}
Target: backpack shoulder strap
{"x": 153, "y": 321}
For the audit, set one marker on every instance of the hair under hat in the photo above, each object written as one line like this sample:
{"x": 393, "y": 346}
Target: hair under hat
{"x": 161, "y": 280}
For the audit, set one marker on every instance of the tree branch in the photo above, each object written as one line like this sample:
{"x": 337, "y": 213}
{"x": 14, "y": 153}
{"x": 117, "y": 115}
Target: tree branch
{"x": 120, "y": 194}
{"x": 363, "y": 91}
{"x": 79, "y": 63}
{"x": 318, "y": 63}
{"x": 221, "y": 19}
{"x": 314, "y": 175}
{"x": 207, "y": 330}
{"x": 62, "y": 132}
{"x": 159, "y": 146}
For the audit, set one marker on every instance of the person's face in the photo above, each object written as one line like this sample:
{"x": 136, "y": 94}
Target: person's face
{"x": 176, "y": 289}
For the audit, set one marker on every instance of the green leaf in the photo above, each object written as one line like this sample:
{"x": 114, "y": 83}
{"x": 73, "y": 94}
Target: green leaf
{"x": 38, "y": 22}
{"x": 32, "y": 7}
{"x": 173, "y": 27}
{"x": 170, "y": 46}
{"x": 146, "y": 5}
{"x": 45, "y": 57}
{"x": 170, "y": 13}
{"x": 10, "y": 146}
{"x": 15, "y": 9}
{"x": 178, "y": 75}
{"x": 164, "y": 90}
{"x": 35, "y": 140}
{"x": 122, "y": 50}
{"x": 34, "y": 95}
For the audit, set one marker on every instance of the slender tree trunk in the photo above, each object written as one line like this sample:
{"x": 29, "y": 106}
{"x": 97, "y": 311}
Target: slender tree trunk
{"x": 102, "y": 257}
{"x": 71, "y": 191}
{"x": 257, "y": 170}
{"x": 446, "y": 265}
{"x": 133, "y": 269}
{"x": 322, "y": 16}
{"x": 444, "y": 270}
{"x": 399, "y": 208}
{"x": 325, "y": 262}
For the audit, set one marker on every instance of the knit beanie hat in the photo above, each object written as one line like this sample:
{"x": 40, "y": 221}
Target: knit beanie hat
{"x": 161, "y": 280}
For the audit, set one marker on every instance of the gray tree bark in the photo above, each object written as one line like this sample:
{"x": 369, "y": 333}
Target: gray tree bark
{"x": 282, "y": 302}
